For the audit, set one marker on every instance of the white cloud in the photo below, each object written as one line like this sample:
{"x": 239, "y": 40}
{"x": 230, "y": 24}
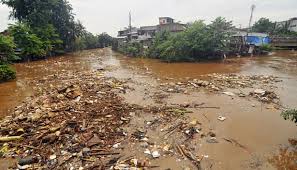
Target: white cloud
{"x": 111, "y": 15}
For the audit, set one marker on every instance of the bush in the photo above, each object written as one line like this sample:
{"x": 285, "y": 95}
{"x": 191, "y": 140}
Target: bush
{"x": 290, "y": 114}
{"x": 132, "y": 49}
{"x": 198, "y": 42}
{"x": 266, "y": 47}
{"x": 6, "y": 73}
{"x": 30, "y": 44}
{"x": 7, "y": 47}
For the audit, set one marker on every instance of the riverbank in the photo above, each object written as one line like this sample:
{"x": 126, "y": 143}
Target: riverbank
{"x": 186, "y": 116}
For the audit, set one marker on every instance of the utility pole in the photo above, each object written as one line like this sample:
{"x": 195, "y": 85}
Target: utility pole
{"x": 251, "y": 47}
{"x": 251, "y": 18}
{"x": 130, "y": 27}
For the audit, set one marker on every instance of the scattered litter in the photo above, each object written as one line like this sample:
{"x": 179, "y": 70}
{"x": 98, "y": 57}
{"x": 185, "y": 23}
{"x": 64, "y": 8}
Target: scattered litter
{"x": 116, "y": 146}
{"x": 222, "y": 118}
{"x": 260, "y": 92}
{"x": 156, "y": 154}
{"x": 53, "y": 157}
{"x": 147, "y": 152}
{"x": 212, "y": 140}
{"x": 229, "y": 93}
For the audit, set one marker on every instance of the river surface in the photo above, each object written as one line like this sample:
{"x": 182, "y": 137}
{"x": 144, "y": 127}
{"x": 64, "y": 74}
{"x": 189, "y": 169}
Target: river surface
{"x": 261, "y": 130}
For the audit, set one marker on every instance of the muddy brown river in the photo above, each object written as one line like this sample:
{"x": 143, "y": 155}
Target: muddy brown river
{"x": 262, "y": 130}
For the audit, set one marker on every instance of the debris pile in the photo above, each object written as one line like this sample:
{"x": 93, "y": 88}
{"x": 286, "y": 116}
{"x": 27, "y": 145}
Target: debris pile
{"x": 70, "y": 123}
{"x": 221, "y": 82}
{"x": 78, "y": 121}
{"x": 240, "y": 81}
{"x": 265, "y": 96}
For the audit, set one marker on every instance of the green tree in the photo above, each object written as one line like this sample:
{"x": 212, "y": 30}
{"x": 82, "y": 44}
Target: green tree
{"x": 6, "y": 72}
{"x": 155, "y": 51}
{"x": 199, "y": 41}
{"x": 40, "y": 14}
{"x": 7, "y": 47}
{"x": 132, "y": 49}
{"x": 90, "y": 40}
{"x": 104, "y": 40}
{"x": 30, "y": 44}
{"x": 50, "y": 39}
{"x": 220, "y": 32}
{"x": 264, "y": 25}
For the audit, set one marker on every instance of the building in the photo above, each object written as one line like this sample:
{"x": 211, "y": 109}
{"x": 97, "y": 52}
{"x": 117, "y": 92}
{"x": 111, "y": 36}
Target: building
{"x": 165, "y": 20}
{"x": 127, "y": 34}
{"x": 145, "y": 34}
{"x": 171, "y": 27}
{"x": 147, "y": 31}
{"x": 168, "y": 24}
{"x": 290, "y": 25}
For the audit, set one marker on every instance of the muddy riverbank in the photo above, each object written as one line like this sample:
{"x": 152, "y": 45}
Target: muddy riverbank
{"x": 249, "y": 134}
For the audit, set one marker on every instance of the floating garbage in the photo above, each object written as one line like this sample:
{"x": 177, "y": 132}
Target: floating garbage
{"x": 222, "y": 118}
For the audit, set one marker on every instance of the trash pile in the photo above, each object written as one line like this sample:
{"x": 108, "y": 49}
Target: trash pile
{"x": 78, "y": 121}
{"x": 240, "y": 81}
{"x": 265, "y": 96}
{"x": 220, "y": 82}
{"x": 73, "y": 119}
{"x": 164, "y": 135}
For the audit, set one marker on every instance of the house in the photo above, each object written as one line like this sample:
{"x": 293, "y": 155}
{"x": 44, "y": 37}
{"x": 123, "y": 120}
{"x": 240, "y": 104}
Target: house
{"x": 165, "y": 20}
{"x": 126, "y": 35}
{"x": 148, "y": 32}
{"x": 171, "y": 27}
{"x": 168, "y": 24}
{"x": 145, "y": 34}
{"x": 290, "y": 25}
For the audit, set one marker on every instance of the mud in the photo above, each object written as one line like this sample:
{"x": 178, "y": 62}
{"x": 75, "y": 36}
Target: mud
{"x": 247, "y": 139}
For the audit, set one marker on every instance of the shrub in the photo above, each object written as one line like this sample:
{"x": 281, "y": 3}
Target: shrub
{"x": 6, "y": 73}
{"x": 29, "y": 43}
{"x": 290, "y": 114}
{"x": 132, "y": 49}
{"x": 266, "y": 47}
{"x": 198, "y": 42}
{"x": 7, "y": 47}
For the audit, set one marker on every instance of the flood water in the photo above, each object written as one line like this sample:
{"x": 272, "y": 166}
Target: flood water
{"x": 260, "y": 130}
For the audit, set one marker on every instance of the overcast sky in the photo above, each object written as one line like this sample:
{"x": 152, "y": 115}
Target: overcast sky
{"x": 111, "y": 15}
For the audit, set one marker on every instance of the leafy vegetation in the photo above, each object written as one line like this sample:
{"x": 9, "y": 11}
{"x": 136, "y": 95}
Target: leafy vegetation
{"x": 90, "y": 41}
{"x": 132, "y": 49}
{"x": 198, "y": 42}
{"x": 51, "y": 23}
{"x": 284, "y": 32}
{"x": 44, "y": 28}
{"x": 7, "y": 47}
{"x": 45, "y": 15}
{"x": 290, "y": 114}
{"x": 263, "y": 25}
{"x": 6, "y": 72}
{"x": 28, "y": 43}
{"x": 266, "y": 47}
